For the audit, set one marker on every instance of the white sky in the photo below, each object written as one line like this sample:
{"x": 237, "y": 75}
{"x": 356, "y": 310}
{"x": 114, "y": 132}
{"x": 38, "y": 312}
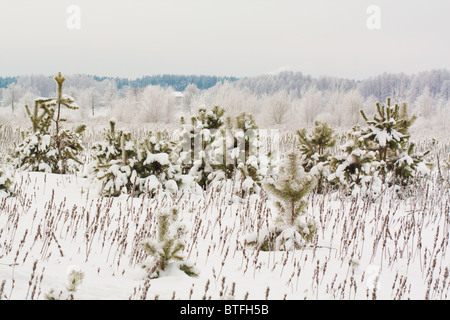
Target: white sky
{"x": 132, "y": 38}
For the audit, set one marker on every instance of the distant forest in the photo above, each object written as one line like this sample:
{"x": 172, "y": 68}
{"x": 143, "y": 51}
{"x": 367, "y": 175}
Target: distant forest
{"x": 177, "y": 82}
{"x": 437, "y": 82}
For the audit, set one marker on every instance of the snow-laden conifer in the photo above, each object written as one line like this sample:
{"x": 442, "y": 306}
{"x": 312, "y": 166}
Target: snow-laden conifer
{"x": 214, "y": 150}
{"x": 166, "y": 249}
{"x": 355, "y": 168}
{"x": 379, "y": 154}
{"x": 315, "y": 149}
{"x": 388, "y": 135}
{"x": 126, "y": 167}
{"x": 48, "y": 147}
{"x": 292, "y": 228}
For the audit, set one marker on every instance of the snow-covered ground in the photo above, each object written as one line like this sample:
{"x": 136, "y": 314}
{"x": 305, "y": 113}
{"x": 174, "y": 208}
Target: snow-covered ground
{"x": 385, "y": 248}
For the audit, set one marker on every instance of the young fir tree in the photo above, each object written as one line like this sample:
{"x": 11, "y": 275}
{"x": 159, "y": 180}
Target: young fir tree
{"x": 215, "y": 151}
{"x": 388, "y": 135}
{"x": 167, "y": 248}
{"x": 193, "y": 149}
{"x": 109, "y": 149}
{"x": 381, "y": 152}
{"x": 315, "y": 149}
{"x": 386, "y": 132}
{"x": 356, "y": 168}
{"x": 75, "y": 277}
{"x": 124, "y": 167}
{"x": 155, "y": 166}
{"x": 315, "y": 146}
{"x": 292, "y": 228}
{"x": 112, "y": 161}
{"x": 49, "y": 147}
{"x": 409, "y": 164}
{"x": 251, "y": 171}
{"x": 445, "y": 169}
{"x": 235, "y": 155}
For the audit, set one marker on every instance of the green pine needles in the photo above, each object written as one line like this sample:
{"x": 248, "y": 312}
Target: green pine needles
{"x": 212, "y": 149}
{"x": 379, "y": 154}
{"x": 166, "y": 249}
{"x": 125, "y": 167}
{"x": 315, "y": 148}
{"x": 388, "y": 135}
{"x": 49, "y": 147}
{"x": 290, "y": 188}
{"x": 356, "y": 168}
{"x": 75, "y": 277}
{"x": 292, "y": 228}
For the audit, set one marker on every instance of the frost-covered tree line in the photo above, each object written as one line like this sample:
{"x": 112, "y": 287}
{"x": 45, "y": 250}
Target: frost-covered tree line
{"x": 282, "y": 100}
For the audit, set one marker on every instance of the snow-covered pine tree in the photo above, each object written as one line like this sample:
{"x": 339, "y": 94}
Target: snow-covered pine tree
{"x": 214, "y": 151}
{"x": 193, "y": 149}
{"x": 251, "y": 162}
{"x": 445, "y": 169}
{"x": 125, "y": 167}
{"x": 75, "y": 277}
{"x": 384, "y": 132}
{"x": 111, "y": 161}
{"x": 223, "y": 153}
{"x": 6, "y": 178}
{"x": 46, "y": 148}
{"x": 292, "y": 228}
{"x": 407, "y": 121}
{"x": 356, "y": 167}
{"x": 154, "y": 164}
{"x": 388, "y": 135}
{"x": 409, "y": 164}
{"x": 315, "y": 149}
{"x": 380, "y": 153}
{"x": 109, "y": 149}
{"x": 315, "y": 145}
{"x": 166, "y": 249}
{"x": 235, "y": 155}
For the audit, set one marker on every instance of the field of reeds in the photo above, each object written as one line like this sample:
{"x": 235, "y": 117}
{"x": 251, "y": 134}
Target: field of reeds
{"x": 393, "y": 246}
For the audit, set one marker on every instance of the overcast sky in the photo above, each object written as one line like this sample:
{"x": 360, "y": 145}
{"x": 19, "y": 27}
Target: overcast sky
{"x": 132, "y": 38}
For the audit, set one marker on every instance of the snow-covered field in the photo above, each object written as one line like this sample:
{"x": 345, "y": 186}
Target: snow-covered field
{"x": 385, "y": 248}
{"x": 212, "y": 152}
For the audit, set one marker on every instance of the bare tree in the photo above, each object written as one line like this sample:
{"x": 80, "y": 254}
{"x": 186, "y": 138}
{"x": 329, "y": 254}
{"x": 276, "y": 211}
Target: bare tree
{"x": 335, "y": 105}
{"x": 110, "y": 93}
{"x": 311, "y": 102}
{"x": 233, "y": 99}
{"x": 277, "y": 107}
{"x": 353, "y": 102}
{"x": 157, "y": 104}
{"x": 425, "y": 104}
{"x": 93, "y": 98}
{"x": 11, "y": 95}
{"x": 189, "y": 94}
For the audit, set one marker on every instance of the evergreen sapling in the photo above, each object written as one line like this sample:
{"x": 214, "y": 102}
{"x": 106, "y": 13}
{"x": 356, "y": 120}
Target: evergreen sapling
{"x": 356, "y": 168}
{"x": 388, "y": 135}
{"x": 166, "y": 250}
{"x": 125, "y": 167}
{"x": 48, "y": 148}
{"x": 315, "y": 149}
{"x": 292, "y": 228}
